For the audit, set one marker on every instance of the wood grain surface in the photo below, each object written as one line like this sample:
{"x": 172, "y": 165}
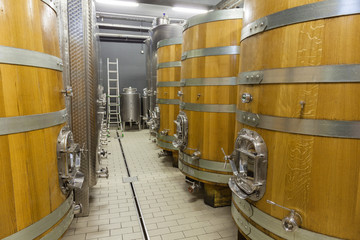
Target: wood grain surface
{"x": 28, "y": 170}
{"x": 317, "y": 176}
{"x": 168, "y": 112}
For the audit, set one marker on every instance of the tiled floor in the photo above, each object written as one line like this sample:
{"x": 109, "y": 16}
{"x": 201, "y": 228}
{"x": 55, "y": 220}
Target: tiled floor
{"x": 169, "y": 210}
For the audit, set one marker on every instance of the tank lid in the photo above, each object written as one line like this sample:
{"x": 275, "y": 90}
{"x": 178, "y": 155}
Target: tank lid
{"x": 130, "y": 90}
{"x": 161, "y": 20}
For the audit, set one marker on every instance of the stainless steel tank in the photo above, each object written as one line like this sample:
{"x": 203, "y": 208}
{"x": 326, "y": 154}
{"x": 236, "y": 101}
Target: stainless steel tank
{"x": 148, "y": 62}
{"x": 159, "y": 32}
{"x": 130, "y": 106}
{"x": 145, "y": 104}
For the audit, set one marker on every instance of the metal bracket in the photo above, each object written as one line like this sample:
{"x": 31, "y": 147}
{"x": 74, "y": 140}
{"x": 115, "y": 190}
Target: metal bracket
{"x": 251, "y": 77}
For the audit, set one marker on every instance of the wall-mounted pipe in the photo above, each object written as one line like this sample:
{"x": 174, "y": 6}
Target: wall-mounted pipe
{"x": 130, "y": 17}
{"x": 122, "y": 27}
{"x": 111, "y": 37}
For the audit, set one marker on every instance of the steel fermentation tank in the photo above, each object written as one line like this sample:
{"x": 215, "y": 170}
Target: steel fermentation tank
{"x": 145, "y": 105}
{"x": 130, "y": 106}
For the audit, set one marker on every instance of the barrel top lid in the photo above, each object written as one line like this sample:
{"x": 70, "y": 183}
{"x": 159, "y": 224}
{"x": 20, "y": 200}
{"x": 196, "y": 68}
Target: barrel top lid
{"x": 168, "y": 42}
{"x": 130, "y": 90}
{"x": 217, "y": 15}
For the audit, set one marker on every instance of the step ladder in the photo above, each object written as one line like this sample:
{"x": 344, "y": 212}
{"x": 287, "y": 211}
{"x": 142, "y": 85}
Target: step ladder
{"x": 113, "y": 95}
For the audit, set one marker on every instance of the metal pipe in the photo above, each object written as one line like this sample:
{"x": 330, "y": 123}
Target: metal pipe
{"x": 140, "y": 18}
{"x": 127, "y": 36}
{"x": 122, "y": 27}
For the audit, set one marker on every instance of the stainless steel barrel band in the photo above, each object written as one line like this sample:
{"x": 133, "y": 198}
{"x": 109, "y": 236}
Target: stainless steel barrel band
{"x": 10, "y": 125}
{"x": 267, "y": 222}
{"x": 51, "y": 4}
{"x": 60, "y": 229}
{"x": 166, "y": 138}
{"x": 169, "y": 64}
{"x": 202, "y": 175}
{"x": 213, "y": 16}
{"x": 215, "y": 51}
{"x": 24, "y": 57}
{"x": 220, "y": 108}
{"x": 313, "y": 127}
{"x": 225, "y": 81}
{"x": 312, "y": 74}
{"x": 305, "y": 13}
{"x": 206, "y": 164}
{"x": 169, "y": 84}
{"x": 169, "y": 42}
{"x": 167, "y": 101}
{"x": 166, "y": 145}
{"x": 45, "y": 223}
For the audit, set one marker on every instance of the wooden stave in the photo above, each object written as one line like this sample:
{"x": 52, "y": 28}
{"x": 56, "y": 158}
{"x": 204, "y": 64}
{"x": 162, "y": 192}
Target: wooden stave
{"x": 168, "y": 112}
{"x": 197, "y": 137}
{"x": 24, "y": 97}
{"x": 316, "y": 216}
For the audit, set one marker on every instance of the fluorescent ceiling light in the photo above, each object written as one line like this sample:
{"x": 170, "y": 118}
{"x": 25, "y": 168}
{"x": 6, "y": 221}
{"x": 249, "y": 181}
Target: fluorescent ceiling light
{"x": 189, "y": 10}
{"x": 119, "y": 3}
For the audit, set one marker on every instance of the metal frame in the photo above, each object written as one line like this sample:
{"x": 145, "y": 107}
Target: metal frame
{"x": 214, "y": 16}
{"x": 312, "y": 127}
{"x": 168, "y": 101}
{"x": 169, "y": 42}
{"x": 305, "y": 13}
{"x": 44, "y": 224}
{"x": 349, "y": 73}
{"x": 224, "y": 81}
{"x": 220, "y": 108}
{"x": 24, "y": 57}
{"x": 169, "y": 84}
{"x": 169, "y": 64}
{"x": 214, "y": 51}
{"x": 10, "y": 125}
{"x": 267, "y": 222}
{"x": 203, "y": 175}
{"x": 206, "y": 164}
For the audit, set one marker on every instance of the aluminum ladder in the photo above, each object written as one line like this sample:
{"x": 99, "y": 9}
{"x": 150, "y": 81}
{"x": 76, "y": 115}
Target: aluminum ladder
{"x": 113, "y": 95}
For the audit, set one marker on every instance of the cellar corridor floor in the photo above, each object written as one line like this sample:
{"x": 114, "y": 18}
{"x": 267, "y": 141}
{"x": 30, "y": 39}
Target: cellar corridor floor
{"x": 169, "y": 210}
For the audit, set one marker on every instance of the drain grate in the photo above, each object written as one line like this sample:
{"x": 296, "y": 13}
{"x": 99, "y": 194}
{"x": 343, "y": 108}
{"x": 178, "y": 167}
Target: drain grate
{"x": 129, "y": 179}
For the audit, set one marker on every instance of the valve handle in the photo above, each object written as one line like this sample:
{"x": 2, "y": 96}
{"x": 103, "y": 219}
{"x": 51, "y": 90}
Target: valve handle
{"x": 226, "y": 157}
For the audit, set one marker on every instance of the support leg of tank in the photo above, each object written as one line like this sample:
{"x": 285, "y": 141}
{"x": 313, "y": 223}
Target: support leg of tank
{"x": 217, "y": 196}
{"x": 175, "y": 156}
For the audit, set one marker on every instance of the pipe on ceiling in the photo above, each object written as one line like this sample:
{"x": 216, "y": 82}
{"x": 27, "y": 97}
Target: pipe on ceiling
{"x": 122, "y": 27}
{"x": 121, "y": 37}
{"x": 130, "y": 17}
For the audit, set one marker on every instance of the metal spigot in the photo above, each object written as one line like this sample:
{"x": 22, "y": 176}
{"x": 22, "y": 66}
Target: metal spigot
{"x": 165, "y": 132}
{"x": 68, "y": 91}
{"x": 163, "y": 154}
{"x": 103, "y": 173}
{"x": 291, "y": 222}
{"x": 196, "y": 155}
{"x": 103, "y": 153}
{"x": 77, "y": 208}
{"x": 227, "y": 158}
{"x": 194, "y": 186}
{"x": 180, "y": 93}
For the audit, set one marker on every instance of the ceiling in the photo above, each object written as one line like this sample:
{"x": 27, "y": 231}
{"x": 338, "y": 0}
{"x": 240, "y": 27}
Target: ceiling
{"x": 156, "y": 8}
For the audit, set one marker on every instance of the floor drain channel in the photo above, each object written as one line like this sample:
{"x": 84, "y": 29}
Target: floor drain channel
{"x": 130, "y": 180}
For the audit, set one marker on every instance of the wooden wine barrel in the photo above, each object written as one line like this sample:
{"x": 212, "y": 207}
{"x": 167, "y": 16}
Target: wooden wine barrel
{"x": 300, "y": 70}
{"x": 209, "y": 68}
{"x": 168, "y": 85}
{"x": 32, "y": 113}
